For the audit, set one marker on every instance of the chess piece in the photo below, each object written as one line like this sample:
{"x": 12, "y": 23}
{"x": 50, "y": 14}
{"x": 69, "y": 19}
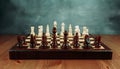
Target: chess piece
{"x": 76, "y": 41}
{"x": 32, "y": 41}
{"x": 62, "y": 29}
{"x": 20, "y": 41}
{"x": 97, "y": 41}
{"x": 47, "y": 31}
{"x": 54, "y": 41}
{"x": 85, "y": 31}
{"x": 87, "y": 42}
{"x": 44, "y": 42}
{"x": 70, "y": 31}
{"x": 32, "y": 31}
{"x": 40, "y": 31}
{"x": 77, "y": 30}
{"x": 65, "y": 43}
{"x": 55, "y": 25}
{"x": 24, "y": 42}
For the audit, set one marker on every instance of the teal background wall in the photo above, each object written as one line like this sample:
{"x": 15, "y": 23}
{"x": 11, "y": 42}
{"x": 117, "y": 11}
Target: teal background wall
{"x": 100, "y": 16}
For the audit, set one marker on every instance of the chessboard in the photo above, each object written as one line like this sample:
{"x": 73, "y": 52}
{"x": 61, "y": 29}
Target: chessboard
{"x": 26, "y": 52}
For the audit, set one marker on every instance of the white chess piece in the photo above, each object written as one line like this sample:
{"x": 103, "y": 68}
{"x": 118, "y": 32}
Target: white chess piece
{"x": 77, "y": 30}
{"x": 85, "y": 31}
{"x": 47, "y": 31}
{"x": 40, "y": 31}
{"x": 62, "y": 29}
{"x": 32, "y": 30}
{"x": 55, "y": 24}
{"x": 70, "y": 30}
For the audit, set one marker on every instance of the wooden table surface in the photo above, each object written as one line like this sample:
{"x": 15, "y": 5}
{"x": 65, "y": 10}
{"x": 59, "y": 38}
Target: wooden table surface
{"x": 7, "y": 41}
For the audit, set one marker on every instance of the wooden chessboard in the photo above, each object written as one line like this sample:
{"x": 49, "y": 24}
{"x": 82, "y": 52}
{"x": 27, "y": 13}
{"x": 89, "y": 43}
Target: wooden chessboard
{"x": 25, "y": 52}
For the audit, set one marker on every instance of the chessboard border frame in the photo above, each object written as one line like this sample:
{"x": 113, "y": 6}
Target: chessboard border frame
{"x": 35, "y": 54}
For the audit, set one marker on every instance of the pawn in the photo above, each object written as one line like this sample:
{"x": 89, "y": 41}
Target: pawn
{"x": 24, "y": 42}
{"x": 97, "y": 41}
{"x": 87, "y": 42}
{"x": 32, "y": 41}
{"x": 20, "y": 41}
{"x": 65, "y": 43}
{"x": 76, "y": 41}
{"x": 44, "y": 42}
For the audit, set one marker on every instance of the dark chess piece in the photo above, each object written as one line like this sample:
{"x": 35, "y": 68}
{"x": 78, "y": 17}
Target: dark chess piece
{"x": 76, "y": 41}
{"x": 65, "y": 43}
{"x": 97, "y": 41}
{"x": 44, "y": 42}
{"x": 32, "y": 41}
{"x": 87, "y": 42}
{"x": 20, "y": 41}
{"x": 24, "y": 42}
{"x": 54, "y": 43}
